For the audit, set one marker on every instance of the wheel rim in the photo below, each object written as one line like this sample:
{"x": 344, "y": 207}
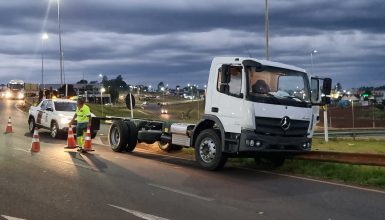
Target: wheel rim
{"x": 54, "y": 130}
{"x": 31, "y": 127}
{"x": 115, "y": 136}
{"x": 163, "y": 145}
{"x": 207, "y": 150}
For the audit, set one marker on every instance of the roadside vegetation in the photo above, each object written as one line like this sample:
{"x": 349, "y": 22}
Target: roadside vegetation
{"x": 376, "y": 146}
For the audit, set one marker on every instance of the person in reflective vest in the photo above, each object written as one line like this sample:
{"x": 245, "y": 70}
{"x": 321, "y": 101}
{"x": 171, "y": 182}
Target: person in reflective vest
{"x": 83, "y": 118}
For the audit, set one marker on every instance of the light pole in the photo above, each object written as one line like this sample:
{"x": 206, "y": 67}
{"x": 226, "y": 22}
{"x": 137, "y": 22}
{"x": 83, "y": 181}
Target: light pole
{"x": 60, "y": 43}
{"x": 311, "y": 60}
{"x": 352, "y": 112}
{"x": 101, "y": 97}
{"x": 43, "y": 38}
{"x": 267, "y": 30}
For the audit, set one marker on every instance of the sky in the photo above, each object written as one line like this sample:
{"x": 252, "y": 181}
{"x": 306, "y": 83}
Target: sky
{"x": 174, "y": 41}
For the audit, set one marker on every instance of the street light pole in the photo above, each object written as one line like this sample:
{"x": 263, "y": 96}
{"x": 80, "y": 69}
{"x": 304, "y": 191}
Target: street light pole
{"x": 267, "y": 55}
{"x": 60, "y": 43}
{"x": 311, "y": 60}
{"x": 44, "y": 37}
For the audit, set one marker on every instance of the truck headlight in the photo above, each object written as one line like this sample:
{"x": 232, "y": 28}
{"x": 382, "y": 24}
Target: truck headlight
{"x": 8, "y": 95}
{"x": 65, "y": 120}
{"x": 21, "y": 96}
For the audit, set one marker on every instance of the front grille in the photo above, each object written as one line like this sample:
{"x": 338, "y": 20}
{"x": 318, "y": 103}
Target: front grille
{"x": 272, "y": 126}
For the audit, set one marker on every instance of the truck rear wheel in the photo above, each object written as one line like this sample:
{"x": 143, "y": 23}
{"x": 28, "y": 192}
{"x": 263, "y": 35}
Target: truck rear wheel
{"x": 208, "y": 150}
{"x": 132, "y": 138}
{"x": 118, "y": 136}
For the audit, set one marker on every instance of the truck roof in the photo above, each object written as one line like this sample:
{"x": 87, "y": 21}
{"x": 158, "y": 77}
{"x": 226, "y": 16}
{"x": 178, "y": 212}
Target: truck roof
{"x": 239, "y": 60}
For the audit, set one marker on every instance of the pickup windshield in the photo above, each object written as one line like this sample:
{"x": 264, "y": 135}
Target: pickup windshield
{"x": 277, "y": 86}
{"x": 65, "y": 106}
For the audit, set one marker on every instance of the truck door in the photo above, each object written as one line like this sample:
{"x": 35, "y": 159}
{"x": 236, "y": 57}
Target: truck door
{"x": 227, "y": 102}
{"x": 40, "y": 113}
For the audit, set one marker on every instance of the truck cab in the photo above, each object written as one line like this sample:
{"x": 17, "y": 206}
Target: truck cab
{"x": 257, "y": 108}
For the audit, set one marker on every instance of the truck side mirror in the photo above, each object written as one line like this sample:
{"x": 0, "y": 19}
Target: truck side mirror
{"x": 327, "y": 86}
{"x": 315, "y": 93}
{"x": 225, "y": 74}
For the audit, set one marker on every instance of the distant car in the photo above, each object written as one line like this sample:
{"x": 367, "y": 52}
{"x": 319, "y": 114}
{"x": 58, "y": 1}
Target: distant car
{"x": 54, "y": 115}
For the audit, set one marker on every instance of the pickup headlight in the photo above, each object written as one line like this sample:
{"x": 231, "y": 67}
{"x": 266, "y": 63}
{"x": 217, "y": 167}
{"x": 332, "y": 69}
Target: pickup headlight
{"x": 65, "y": 120}
{"x": 8, "y": 95}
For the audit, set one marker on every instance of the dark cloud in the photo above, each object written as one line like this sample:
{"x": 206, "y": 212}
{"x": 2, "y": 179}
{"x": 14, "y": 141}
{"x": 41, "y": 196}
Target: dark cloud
{"x": 174, "y": 40}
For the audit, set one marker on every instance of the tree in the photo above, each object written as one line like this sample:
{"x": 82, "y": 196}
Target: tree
{"x": 114, "y": 93}
{"x": 70, "y": 90}
{"x": 83, "y": 81}
{"x": 160, "y": 86}
{"x": 338, "y": 87}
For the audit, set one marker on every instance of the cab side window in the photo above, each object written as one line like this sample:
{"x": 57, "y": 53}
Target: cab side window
{"x": 49, "y": 105}
{"x": 43, "y": 105}
{"x": 235, "y": 85}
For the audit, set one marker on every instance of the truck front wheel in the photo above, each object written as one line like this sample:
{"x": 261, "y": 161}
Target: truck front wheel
{"x": 208, "y": 150}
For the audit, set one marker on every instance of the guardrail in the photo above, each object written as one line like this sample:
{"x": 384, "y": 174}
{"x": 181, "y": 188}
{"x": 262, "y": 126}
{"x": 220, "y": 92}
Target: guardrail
{"x": 353, "y": 133}
{"x": 341, "y": 157}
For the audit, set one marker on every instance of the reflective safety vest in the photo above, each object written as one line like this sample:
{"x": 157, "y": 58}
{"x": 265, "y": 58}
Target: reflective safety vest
{"x": 82, "y": 115}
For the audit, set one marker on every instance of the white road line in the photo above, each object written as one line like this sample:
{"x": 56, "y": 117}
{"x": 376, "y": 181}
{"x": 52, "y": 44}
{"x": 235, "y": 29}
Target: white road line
{"x": 21, "y": 149}
{"x": 11, "y": 218}
{"x": 139, "y": 214}
{"x": 315, "y": 180}
{"x": 284, "y": 175}
{"x": 181, "y": 192}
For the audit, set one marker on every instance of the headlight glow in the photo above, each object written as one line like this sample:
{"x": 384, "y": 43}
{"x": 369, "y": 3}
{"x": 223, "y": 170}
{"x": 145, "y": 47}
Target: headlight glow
{"x": 21, "y": 96}
{"x": 8, "y": 95}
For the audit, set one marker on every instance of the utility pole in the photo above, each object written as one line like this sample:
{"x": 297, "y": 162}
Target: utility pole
{"x": 267, "y": 55}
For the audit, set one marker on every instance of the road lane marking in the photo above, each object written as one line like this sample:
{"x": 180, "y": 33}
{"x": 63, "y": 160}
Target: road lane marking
{"x": 139, "y": 214}
{"x": 181, "y": 192}
{"x": 11, "y": 218}
{"x": 315, "y": 180}
{"x": 21, "y": 149}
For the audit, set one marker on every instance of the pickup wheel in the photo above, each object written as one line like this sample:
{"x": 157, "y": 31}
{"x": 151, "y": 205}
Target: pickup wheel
{"x": 132, "y": 138}
{"x": 54, "y": 130}
{"x": 118, "y": 135}
{"x": 31, "y": 125}
{"x": 208, "y": 150}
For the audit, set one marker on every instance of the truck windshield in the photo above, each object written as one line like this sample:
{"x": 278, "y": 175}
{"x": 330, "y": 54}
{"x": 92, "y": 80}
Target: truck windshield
{"x": 278, "y": 86}
{"x": 16, "y": 86}
{"x": 65, "y": 106}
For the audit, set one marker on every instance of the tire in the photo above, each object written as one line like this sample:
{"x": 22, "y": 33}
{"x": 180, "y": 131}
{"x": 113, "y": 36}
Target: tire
{"x": 165, "y": 146}
{"x": 93, "y": 134}
{"x": 208, "y": 150}
{"x": 117, "y": 136}
{"x": 54, "y": 130}
{"x": 132, "y": 138}
{"x": 31, "y": 125}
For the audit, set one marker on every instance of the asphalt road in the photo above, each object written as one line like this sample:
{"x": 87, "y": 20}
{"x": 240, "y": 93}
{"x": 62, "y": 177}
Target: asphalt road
{"x": 63, "y": 184}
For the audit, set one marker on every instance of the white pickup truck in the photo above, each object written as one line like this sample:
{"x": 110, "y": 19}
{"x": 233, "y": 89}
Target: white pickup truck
{"x": 54, "y": 115}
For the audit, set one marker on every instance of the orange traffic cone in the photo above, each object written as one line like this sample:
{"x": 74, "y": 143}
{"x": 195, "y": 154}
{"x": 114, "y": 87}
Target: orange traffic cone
{"x": 87, "y": 141}
{"x": 9, "y": 126}
{"x": 71, "y": 143}
{"x": 35, "y": 146}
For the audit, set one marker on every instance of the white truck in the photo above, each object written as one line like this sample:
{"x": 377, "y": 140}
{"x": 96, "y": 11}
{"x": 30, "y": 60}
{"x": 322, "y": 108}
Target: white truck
{"x": 15, "y": 90}
{"x": 54, "y": 115}
{"x": 254, "y": 108}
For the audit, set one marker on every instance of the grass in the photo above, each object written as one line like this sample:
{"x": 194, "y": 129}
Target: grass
{"x": 350, "y": 145}
{"x": 352, "y": 174}
{"x": 368, "y": 176}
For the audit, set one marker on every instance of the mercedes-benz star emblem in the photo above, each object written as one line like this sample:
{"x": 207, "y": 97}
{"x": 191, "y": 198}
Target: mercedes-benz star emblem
{"x": 285, "y": 123}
